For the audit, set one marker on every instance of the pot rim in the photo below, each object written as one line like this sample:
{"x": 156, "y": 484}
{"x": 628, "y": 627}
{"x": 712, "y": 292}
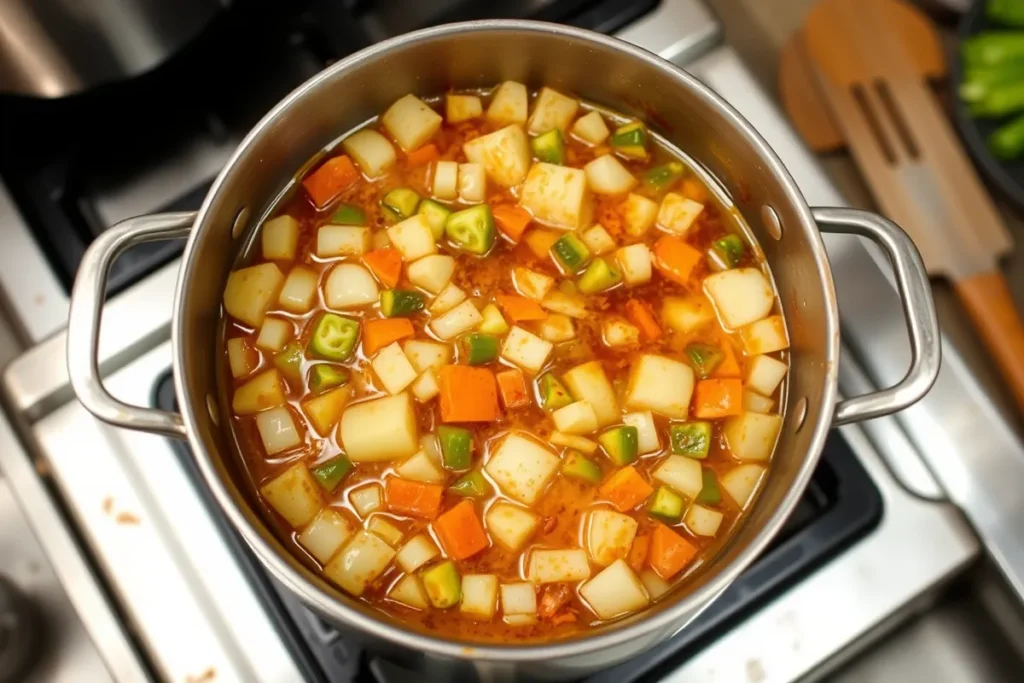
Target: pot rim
{"x": 387, "y": 628}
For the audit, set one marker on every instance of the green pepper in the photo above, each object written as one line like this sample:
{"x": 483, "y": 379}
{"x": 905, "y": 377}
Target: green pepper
{"x": 553, "y": 394}
{"x": 471, "y": 485}
{"x": 456, "y": 447}
{"x": 443, "y": 585}
{"x": 630, "y": 140}
{"x": 1006, "y": 99}
{"x": 472, "y": 229}
{"x": 571, "y": 252}
{"x": 288, "y": 361}
{"x": 549, "y": 147}
{"x": 478, "y": 349}
{"x": 709, "y": 493}
{"x": 400, "y": 203}
{"x": 661, "y": 178}
{"x": 1009, "y": 12}
{"x": 979, "y": 83}
{"x": 1007, "y": 142}
{"x": 436, "y": 215}
{"x": 704, "y": 358}
{"x": 692, "y": 439}
{"x": 577, "y": 466}
{"x": 323, "y": 376}
{"x": 396, "y": 303}
{"x": 620, "y": 443}
{"x": 992, "y": 48}
{"x": 598, "y": 277}
{"x": 329, "y": 474}
{"x": 730, "y": 248}
{"x": 666, "y": 504}
{"x": 334, "y": 337}
{"x": 347, "y": 214}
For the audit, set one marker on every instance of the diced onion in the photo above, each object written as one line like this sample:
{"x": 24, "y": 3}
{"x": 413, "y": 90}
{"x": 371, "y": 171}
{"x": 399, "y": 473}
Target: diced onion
{"x": 274, "y": 334}
{"x": 461, "y": 318}
{"x": 575, "y": 418}
{"x": 588, "y": 382}
{"x": 525, "y": 349}
{"x": 366, "y": 499}
{"x": 277, "y": 430}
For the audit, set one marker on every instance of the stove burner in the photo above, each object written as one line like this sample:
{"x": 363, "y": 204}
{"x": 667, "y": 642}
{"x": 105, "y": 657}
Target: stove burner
{"x": 19, "y": 633}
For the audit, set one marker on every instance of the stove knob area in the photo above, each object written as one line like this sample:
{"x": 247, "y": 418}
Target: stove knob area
{"x": 19, "y": 633}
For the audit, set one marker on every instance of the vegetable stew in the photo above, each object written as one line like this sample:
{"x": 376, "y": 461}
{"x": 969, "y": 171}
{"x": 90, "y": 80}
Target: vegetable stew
{"x": 503, "y": 367}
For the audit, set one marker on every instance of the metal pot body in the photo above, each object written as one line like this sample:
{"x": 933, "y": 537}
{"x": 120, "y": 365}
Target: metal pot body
{"x": 597, "y": 68}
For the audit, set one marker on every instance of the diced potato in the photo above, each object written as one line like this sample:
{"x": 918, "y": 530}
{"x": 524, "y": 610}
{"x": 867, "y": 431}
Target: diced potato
{"x": 703, "y": 521}
{"x": 552, "y": 110}
{"x": 326, "y": 534}
{"x": 540, "y": 241}
{"x": 461, "y": 318}
{"x": 366, "y": 499}
{"x": 680, "y": 473}
{"x": 558, "y": 566}
{"x": 459, "y": 108}
{"x": 380, "y": 429}
{"x": 572, "y": 305}
{"x": 756, "y": 403}
{"x": 411, "y": 122}
{"x": 413, "y": 238}
{"x": 607, "y": 175}
{"x": 638, "y": 214}
{"x": 449, "y": 297}
{"x": 617, "y": 332}
{"x": 349, "y": 286}
{"x": 660, "y": 384}
{"x": 609, "y": 535}
{"x": 277, "y": 430}
{"x": 655, "y": 585}
{"x": 740, "y": 483}
{"x": 764, "y": 374}
{"x": 425, "y": 387}
{"x": 575, "y": 418}
{"x": 385, "y": 530}
{"x": 425, "y": 355}
{"x": 587, "y": 382}
{"x": 325, "y": 411}
{"x": 250, "y": 291}
{"x": 432, "y": 273}
{"x": 751, "y": 436}
{"x": 446, "y": 180}
{"x": 557, "y": 195}
{"x": 420, "y": 468}
{"x": 741, "y": 295}
{"x": 525, "y": 349}
{"x": 647, "y": 440}
{"x": 557, "y": 328}
{"x": 280, "y": 238}
{"x": 409, "y": 591}
{"x": 677, "y": 213}
{"x": 274, "y": 334}
{"x": 591, "y": 128}
{"x": 509, "y": 104}
{"x": 479, "y": 595}
{"x": 379, "y": 239}
{"x": 585, "y": 446}
{"x": 294, "y": 494}
{"x": 371, "y": 151}
{"x": 686, "y": 315}
{"x": 259, "y": 393}
{"x": 472, "y": 183}
{"x": 598, "y": 241}
{"x": 504, "y": 154}
{"x": 615, "y": 591}
{"x": 522, "y": 468}
{"x": 359, "y": 563}
{"x": 765, "y": 336}
{"x": 635, "y": 264}
{"x": 531, "y": 284}
{"x": 518, "y": 598}
{"x": 242, "y": 357}
{"x": 511, "y": 526}
{"x": 342, "y": 240}
{"x": 298, "y": 294}
{"x": 419, "y": 550}
{"x": 393, "y": 369}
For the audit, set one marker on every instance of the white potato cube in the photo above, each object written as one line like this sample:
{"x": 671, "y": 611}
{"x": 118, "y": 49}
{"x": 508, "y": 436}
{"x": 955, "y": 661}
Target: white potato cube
{"x": 420, "y": 468}
{"x": 446, "y": 180}
{"x": 598, "y": 241}
{"x": 752, "y": 436}
{"x": 686, "y": 315}
{"x": 373, "y": 152}
{"x": 472, "y": 183}
{"x": 607, "y": 175}
{"x": 449, "y": 297}
{"x": 635, "y": 263}
{"x": 518, "y": 598}
{"x": 380, "y": 429}
{"x": 280, "y": 238}
{"x": 326, "y": 534}
{"x": 504, "y": 154}
{"x": 703, "y": 521}
{"x": 741, "y": 295}
{"x": 655, "y": 585}
{"x": 525, "y": 349}
{"x": 557, "y": 328}
{"x": 764, "y": 374}
{"x": 408, "y": 591}
{"x": 638, "y": 214}
{"x": 741, "y": 481}
{"x": 677, "y": 213}
{"x": 765, "y": 336}
{"x": 509, "y": 104}
{"x": 425, "y": 387}
{"x": 615, "y": 591}
{"x": 349, "y": 285}
{"x": 385, "y": 530}
{"x": 277, "y": 430}
{"x": 511, "y": 526}
{"x": 342, "y": 240}
{"x": 591, "y": 128}
{"x": 756, "y": 403}
{"x": 393, "y": 369}
{"x": 558, "y": 566}
{"x": 250, "y": 291}
{"x": 461, "y": 318}
{"x": 660, "y": 384}
{"x": 680, "y": 473}
{"x": 459, "y": 108}
{"x": 552, "y": 110}
{"x": 417, "y": 551}
{"x": 411, "y": 122}
{"x": 572, "y": 305}
{"x": 359, "y": 563}
{"x": 609, "y": 535}
{"x": 588, "y": 382}
{"x": 274, "y": 334}
{"x": 557, "y": 195}
{"x": 617, "y": 332}
{"x": 431, "y": 273}
{"x": 647, "y": 440}
{"x": 479, "y": 595}
{"x": 585, "y": 446}
{"x": 531, "y": 284}
{"x": 299, "y": 290}
{"x": 259, "y": 393}
{"x": 242, "y": 357}
{"x": 294, "y": 494}
{"x": 425, "y": 355}
{"x": 413, "y": 238}
{"x": 522, "y": 468}
{"x": 575, "y": 418}
{"x": 325, "y": 410}
{"x": 366, "y": 499}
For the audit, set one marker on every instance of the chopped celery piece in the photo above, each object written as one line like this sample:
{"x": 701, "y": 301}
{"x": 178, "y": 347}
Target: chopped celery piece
{"x": 704, "y": 358}
{"x": 334, "y": 337}
{"x": 620, "y": 443}
{"x": 456, "y": 447}
{"x": 472, "y": 229}
{"x": 666, "y": 504}
{"x": 400, "y": 203}
{"x": 692, "y": 439}
{"x": 549, "y": 147}
{"x": 400, "y": 302}
{"x": 661, "y": 178}
{"x": 478, "y": 349}
{"x": 598, "y": 277}
{"x": 709, "y": 493}
{"x": 436, "y": 215}
{"x": 323, "y": 377}
{"x": 493, "y": 322}
{"x": 630, "y": 140}
{"x": 443, "y": 585}
{"x": 329, "y": 474}
{"x": 346, "y": 214}
{"x": 471, "y": 485}
{"x": 570, "y": 251}
{"x": 577, "y": 466}
{"x": 553, "y": 394}
{"x": 730, "y": 249}
{"x": 288, "y": 361}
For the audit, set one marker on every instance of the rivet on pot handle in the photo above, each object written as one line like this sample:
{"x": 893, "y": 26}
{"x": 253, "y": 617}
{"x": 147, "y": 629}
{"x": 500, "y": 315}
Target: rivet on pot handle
{"x": 918, "y": 308}
{"x": 83, "y": 334}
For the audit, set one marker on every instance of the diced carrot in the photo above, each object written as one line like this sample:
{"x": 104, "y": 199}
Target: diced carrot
{"x": 519, "y": 308}
{"x": 512, "y": 386}
{"x": 640, "y": 315}
{"x": 625, "y": 489}
{"x": 413, "y": 497}
{"x": 422, "y": 156}
{"x": 379, "y": 333}
{"x": 675, "y": 259}
{"x": 332, "y": 177}
{"x": 718, "y": 398}
{"x": 386, "y": 264}
{"x": 540, "y": 241}
{"x": 512, "y": 220}
{"x": 638, "y": 552}
{"x": 670, "y": 552}
{"x": 729, "y": 367}
{"x": 695, "y": 190}
{"x": 460, "y": 531}
{"x": 468, "y": 394}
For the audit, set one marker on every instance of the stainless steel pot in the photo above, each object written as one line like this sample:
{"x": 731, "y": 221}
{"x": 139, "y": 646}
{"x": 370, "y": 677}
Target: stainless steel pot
{"x": 597, "y": 68}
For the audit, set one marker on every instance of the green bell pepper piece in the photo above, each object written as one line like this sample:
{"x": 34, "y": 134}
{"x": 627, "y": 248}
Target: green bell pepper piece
{"x": 396, "y": 303}
{"x": 553, "y": 394}
{"x": 472, "y": 229}
{"x": 436, "y": 215}
{"x": 730, "y": 248}
{"x": 329, "y": 474}
{"x": 323, "y": 377}
{"x": 1007, "y": 142}
{"x": 549, "y": 147}
{"x": 571, "y": 252}
{"x": 334, "y": 337}
{"x": 661, "y": 178}
{"x": 346, "y": 214}
{"x": 288, "y": 361}
{"x": 478, "y": 349}
{"x": 666, "y": 504}
{"x": 400, "y": 203}
{"x": 443, "y": 585}
{"x": 709, "y": 493}
{"x": 598, "y": 277}
{"x": 704, "y": 358}
{"x": 692, "y": 439}
{"x": 630, "y": 140}
{"x": 456, "y": 447}
{"x": 578, "y": 466}
{"x": 620, "y": 443}
{"x": 471, "y": 485}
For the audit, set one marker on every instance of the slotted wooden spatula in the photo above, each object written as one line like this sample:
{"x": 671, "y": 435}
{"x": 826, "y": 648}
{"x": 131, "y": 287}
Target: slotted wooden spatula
{"x": 872, "y": 77}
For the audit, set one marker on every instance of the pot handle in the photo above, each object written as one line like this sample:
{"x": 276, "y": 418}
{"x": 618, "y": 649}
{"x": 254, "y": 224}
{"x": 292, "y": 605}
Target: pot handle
{"x": 918, "y": 308}
{"x": 83, "y": 335}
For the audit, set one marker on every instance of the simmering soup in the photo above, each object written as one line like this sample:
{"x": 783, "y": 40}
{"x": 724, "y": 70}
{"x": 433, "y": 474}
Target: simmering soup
{"x": 503, "y": 367}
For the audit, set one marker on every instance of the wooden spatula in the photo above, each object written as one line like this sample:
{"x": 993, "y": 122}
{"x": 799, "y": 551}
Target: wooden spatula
{"x": 868, "y": 62}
